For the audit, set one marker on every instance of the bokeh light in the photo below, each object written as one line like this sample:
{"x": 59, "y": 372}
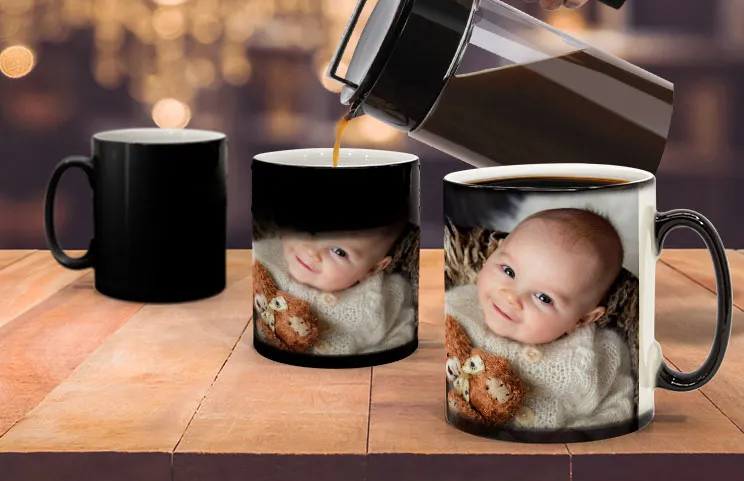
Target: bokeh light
{"x": 236, "y": 70}
{"x": 238, "y": 26}
{"x": 17, "y": 61}
{"x": 168, "y": 23}
{"x": 171, "y": 114}
{"x": 107, "y": 72}
{"x": 206, "y": 28}
{"x": 10, "y": 26}
{"x": 200, "y": 72}
{"x": 16, "y": 7}
{"x": 567, "y": 20}
{"x": 372, "y": 130}
{"x": 330, "y": 84}
{"x": 169, "y": 3}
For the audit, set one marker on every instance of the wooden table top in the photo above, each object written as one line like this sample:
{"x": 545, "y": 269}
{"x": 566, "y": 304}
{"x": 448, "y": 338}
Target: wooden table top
{"x": 95, "y": 388}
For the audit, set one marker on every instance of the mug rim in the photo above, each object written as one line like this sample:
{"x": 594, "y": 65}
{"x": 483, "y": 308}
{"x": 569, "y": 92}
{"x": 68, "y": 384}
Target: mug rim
{"x": 632, "y": 177}
{"x": 162, "y": 136}
{"x": 321, "y": 158}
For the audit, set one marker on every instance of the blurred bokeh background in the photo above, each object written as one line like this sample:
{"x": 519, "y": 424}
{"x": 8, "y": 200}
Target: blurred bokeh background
{"x": 254, "y": 70}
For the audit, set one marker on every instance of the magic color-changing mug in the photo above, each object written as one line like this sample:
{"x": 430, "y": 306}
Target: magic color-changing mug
{"x": 549, "y": 280}
{"x": 336, "y": 257}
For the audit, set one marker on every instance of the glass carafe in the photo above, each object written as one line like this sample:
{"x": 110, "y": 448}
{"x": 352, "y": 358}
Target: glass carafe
{"x": 490, "y": 85}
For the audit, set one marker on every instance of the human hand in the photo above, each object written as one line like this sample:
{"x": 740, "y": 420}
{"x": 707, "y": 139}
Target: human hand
{"x": 556, "y": 4}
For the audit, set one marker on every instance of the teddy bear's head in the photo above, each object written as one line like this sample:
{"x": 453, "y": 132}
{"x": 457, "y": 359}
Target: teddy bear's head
{"x": 287, "y": 322}
{"x": 496, "y": 392}
{"x": 485, "y": 387}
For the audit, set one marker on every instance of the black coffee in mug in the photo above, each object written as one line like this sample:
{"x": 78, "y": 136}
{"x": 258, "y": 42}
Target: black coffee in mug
{"x": 549, "y": 183}
{"x": 159, "y": 207}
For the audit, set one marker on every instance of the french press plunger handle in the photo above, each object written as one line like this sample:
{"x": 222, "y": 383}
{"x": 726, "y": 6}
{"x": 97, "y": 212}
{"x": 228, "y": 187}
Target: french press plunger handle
{"x": 336, "y": 60}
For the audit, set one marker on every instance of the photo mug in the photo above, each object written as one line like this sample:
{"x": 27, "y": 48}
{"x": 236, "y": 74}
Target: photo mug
{"x": 549, "y": 301}
{"x": 159, "y": 214}
{"x": 335, "y": 257}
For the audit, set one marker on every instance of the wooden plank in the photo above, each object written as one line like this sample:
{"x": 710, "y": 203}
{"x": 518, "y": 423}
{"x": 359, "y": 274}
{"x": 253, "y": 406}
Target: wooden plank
{"x": 139, "y": 390}
{"x": 41, "y": 347}
{"x": 259, "y": 406}
{"x": 280, "y": 422}
{"x": 685, "y": 326}
{"x": 692, "y": 436}
{"x": 408, "y": 429}
{"x": 8, "y": 257}
{"x": 696, "y": 264}
{"x": 30, "y": 281}
{"x": 276, "y": 421}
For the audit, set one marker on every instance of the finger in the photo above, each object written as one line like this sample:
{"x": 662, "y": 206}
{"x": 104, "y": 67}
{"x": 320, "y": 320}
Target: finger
{"x": 551, "y": 4}
{"x": 574, "y": 3}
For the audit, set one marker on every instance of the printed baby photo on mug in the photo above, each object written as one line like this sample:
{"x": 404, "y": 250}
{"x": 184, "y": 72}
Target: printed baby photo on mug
{"x": 336, "y": 293}
{"x": 542, "y": 316}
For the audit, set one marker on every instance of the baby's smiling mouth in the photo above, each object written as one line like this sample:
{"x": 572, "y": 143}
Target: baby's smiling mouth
{"x": 303, "y": 264}
{"x": 501, "y": 313}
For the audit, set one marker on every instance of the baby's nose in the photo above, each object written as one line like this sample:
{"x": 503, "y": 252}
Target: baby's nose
{"x": 311, "y": 252}
{"x": 511, "y": 297}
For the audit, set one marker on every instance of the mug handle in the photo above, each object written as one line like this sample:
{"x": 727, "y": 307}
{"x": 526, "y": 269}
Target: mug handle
{"x": 86, "y": 261}
{"x": 665, "y": 222}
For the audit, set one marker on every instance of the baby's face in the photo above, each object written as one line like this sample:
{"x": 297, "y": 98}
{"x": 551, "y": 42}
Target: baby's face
{"x": 336, "y": 261}
{"x": 533, "y": 289}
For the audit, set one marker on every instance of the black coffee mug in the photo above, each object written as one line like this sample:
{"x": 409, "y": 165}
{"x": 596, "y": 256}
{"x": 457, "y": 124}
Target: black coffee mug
{"x": 160, "y": 214}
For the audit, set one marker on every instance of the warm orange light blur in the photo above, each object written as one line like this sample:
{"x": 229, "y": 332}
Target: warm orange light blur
{"x": 236, "y": 70}
{"x": 16, "y": 7}
{"x": 171, "y": 114}
{"x": 206, "y": 28}
{"x": 168, "y": 23}
{"x": 372, "y": 130}
{"x": 17, "y": 61}
{"x": 200, "y": 72}
{"x": 567, "y": 20}
{"x": 330, "y": 84}
{"x": 169, "y": 3}
{"x": 107, "y": 72}
{"x": 238, "y": 27}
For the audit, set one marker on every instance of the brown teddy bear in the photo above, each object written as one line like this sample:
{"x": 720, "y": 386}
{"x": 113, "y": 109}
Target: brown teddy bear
{"x": 486, "y": 389}
{"x": 286, "y": 322}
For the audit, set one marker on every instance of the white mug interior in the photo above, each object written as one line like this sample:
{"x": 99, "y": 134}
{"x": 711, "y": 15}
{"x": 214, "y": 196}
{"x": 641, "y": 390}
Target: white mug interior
{"x": 348, "y": 158}
{"x": 158, "y": 136}
{"x": 627, "y": 174}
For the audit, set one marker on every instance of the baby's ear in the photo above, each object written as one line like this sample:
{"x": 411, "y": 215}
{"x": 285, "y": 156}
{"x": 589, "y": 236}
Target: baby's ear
{"x": 381, "y": 266}
{"x": 590, "y": 317}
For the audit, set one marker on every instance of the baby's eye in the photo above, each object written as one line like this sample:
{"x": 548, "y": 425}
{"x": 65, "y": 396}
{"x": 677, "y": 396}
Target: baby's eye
{"x": 544, "y": 298}
{"x": 339, "y": 252}
{"x": 509, "y": 271}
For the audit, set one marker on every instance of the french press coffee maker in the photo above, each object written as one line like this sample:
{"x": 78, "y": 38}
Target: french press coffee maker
{"x": 490, "y": 85}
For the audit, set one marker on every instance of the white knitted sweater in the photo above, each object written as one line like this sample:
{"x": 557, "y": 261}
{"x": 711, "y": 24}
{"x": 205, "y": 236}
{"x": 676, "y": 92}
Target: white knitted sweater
{"x": 374, "y": 315}
{"x": 579, "y": 381}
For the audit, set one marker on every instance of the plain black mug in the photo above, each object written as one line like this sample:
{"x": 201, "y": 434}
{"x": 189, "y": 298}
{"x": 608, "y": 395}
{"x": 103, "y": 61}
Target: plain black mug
{"x": 159, "y": 214}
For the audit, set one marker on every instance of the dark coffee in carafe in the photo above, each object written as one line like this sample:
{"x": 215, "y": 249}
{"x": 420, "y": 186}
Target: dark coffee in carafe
{"x": 491, "y": 85}
{"x": 575, "y": 108}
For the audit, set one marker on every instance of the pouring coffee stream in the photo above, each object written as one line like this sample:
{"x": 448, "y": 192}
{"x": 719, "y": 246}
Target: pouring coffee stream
{"x": 490, "y": 85}
{"x": 340, "y": 128}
